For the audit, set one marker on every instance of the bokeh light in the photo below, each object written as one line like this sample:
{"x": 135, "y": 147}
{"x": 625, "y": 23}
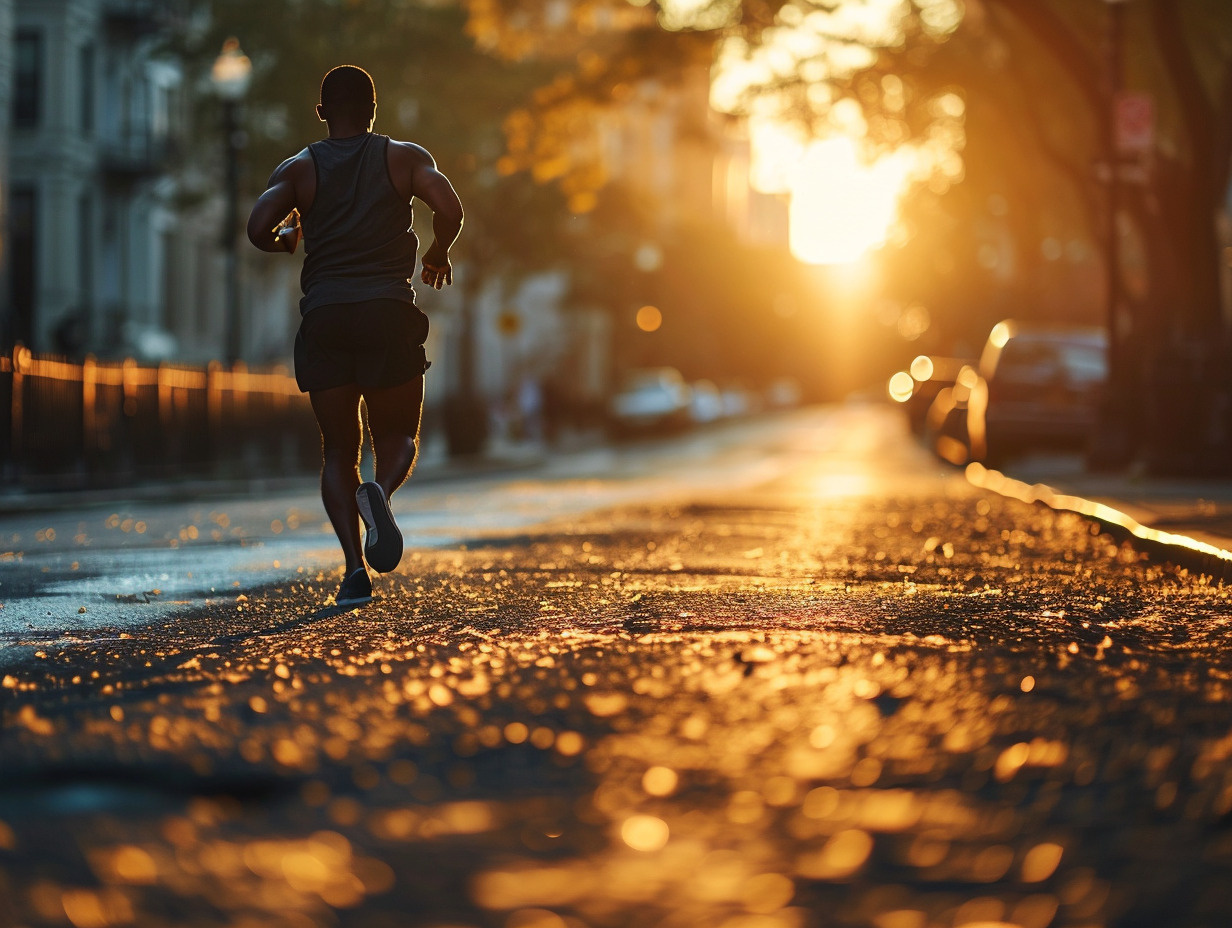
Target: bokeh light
{"x": 901, "y": 387}
{"x": 922, "y": 368}
{"x": 649, "y": 319}
{"x": 644, "y": 832}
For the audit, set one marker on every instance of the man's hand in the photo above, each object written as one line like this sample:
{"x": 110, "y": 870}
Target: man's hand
{"x": 264, "y": 227}
{"x": 437, "y": 271}
{"x": 288, "y": 232}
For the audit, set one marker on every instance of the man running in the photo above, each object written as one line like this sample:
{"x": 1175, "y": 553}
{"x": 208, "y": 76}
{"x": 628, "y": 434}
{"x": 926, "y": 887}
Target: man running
{"x": 361, "y": 336}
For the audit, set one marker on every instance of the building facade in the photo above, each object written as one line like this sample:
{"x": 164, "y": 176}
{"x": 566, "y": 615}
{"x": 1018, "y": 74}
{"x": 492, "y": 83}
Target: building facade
{"x": 90, "y": 134}
{"x": 113, "y": 243}
{"x": 6, "y": 86}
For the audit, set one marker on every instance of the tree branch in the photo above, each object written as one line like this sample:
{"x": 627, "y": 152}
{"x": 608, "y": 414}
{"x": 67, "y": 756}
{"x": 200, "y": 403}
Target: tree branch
{"x": 1073, "y": 57}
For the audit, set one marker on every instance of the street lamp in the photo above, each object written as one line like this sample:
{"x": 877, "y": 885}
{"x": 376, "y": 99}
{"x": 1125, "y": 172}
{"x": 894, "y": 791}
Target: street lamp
{"x": 230, "y": 77}
{"x": 1117, "y": 402}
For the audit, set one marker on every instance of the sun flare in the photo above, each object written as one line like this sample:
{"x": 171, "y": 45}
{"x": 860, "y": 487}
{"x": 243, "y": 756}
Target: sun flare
{"x": 840, "y": 208}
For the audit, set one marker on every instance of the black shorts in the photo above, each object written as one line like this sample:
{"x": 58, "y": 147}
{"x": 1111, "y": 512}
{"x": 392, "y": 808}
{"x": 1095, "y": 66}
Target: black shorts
{"x": 375, "y": 344}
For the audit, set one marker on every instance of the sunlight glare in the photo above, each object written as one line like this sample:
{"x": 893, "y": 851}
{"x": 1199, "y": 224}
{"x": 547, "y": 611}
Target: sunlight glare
{"x": 776, "y": 153}
{"x": 841, "y": 209}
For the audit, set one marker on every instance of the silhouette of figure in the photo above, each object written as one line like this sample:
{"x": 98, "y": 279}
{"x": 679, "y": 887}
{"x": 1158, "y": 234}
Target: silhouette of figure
{"x": 361, "y": 335}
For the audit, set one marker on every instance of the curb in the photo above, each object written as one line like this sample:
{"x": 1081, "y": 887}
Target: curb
{"x": 1183, "y": 550}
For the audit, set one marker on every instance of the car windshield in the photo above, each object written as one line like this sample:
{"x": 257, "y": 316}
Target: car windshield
{"x": 651, "y": 380}
{"x": 1087, "y": 363}
{"x": 1081, "y": 360}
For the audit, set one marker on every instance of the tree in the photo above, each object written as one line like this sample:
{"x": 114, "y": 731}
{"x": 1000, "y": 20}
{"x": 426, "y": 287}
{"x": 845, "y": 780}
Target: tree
{"x": 1008, "y": 102}
{"x": 433, "y": 87}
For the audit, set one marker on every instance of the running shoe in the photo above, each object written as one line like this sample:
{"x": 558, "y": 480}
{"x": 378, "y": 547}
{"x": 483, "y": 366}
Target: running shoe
{"x": 382, "y": 540}
{"x": 356, "y": 588}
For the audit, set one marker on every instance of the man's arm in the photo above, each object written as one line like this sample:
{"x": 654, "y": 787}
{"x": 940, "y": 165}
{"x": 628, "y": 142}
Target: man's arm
{"x": 278, "y": 207}
{"x": 415, "y": 166}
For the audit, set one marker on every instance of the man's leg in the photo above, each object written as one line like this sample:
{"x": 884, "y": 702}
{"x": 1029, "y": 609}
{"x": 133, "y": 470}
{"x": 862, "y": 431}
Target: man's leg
{"x": 394, "y": 414}
{"x": 337, "y": 412}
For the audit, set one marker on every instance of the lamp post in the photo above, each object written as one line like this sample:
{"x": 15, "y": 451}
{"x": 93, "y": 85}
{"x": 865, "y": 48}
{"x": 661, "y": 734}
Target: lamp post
{"x": 1117, "y": 401}
{"x": 230, "y": 77}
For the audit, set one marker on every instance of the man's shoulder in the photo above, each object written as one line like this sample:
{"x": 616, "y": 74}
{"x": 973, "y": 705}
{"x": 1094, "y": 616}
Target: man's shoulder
{"x": 409, "y": 151}
{"x": 294, "y": 165}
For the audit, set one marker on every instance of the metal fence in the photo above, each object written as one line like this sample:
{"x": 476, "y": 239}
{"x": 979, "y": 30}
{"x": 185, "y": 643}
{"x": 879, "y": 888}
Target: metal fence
{"x": 65, "y": 425}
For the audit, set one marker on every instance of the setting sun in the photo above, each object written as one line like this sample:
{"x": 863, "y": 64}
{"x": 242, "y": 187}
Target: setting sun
{"x": 840, "y": 208}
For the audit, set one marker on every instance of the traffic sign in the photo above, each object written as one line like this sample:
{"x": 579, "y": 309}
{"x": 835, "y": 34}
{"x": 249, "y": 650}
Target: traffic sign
{"x": 1134, "y": 117}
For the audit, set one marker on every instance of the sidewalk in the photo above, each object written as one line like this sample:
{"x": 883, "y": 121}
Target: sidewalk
{"x": 433, "y": 464}
{"x": 1187, "y": 521}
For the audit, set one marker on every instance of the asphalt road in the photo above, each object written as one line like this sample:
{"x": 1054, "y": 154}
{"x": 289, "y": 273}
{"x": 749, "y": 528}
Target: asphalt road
{"x": 788, "y": 673}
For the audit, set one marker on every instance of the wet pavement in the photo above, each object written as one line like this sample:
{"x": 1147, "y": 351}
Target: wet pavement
{"x": 791, "y": 673}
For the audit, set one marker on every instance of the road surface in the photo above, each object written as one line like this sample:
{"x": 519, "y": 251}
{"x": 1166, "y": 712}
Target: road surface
{"x": 784, "y": 673}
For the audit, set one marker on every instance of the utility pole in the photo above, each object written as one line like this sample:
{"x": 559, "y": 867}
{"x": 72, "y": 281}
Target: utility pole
{"x": 1116, "y": 442}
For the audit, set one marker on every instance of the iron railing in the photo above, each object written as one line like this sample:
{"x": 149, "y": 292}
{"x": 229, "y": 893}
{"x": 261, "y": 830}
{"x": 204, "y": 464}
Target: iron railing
{"x": 92, "y": 424}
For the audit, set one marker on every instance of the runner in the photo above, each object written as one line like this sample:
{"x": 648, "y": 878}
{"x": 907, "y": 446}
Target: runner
{"x": 361, "y": 336}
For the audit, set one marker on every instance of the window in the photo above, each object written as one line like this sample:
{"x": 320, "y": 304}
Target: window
{"x": 86, "y": 67}
{"x": 27, "y": 78}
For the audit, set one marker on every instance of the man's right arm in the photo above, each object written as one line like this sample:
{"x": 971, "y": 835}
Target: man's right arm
{"x": 279, "y": 203}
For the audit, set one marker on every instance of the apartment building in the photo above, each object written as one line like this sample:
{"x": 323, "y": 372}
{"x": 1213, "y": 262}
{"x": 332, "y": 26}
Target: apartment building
{"x": 90, "y": 131}
{"x": 114, "y": 242}
{"x": 6, "y": 83}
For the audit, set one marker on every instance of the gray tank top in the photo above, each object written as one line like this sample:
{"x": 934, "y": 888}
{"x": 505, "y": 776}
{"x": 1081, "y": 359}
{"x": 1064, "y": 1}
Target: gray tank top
{"x": 358, "y": 240}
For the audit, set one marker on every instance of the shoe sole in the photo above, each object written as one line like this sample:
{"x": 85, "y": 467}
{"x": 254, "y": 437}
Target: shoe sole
{"x": 382, "y": 539}
{"x": 361, "y": 601}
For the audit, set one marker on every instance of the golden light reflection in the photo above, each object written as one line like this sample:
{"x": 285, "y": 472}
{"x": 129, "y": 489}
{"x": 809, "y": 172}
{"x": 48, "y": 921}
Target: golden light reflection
{"x": 659, "y": 781}
{"x": 987, "y": 478}
{"x": 649, "y": 318}
{"x": 133, "y": 865}
{"x": 720, "y": 771}
{"x": 834, "y": 486}
{"x": 535, "y": 918}
{"x": 1041, "y": 862}
{"x": 840, "y": 857}
{"x": 902, "y": 918}
{"x": 644, "y": 832}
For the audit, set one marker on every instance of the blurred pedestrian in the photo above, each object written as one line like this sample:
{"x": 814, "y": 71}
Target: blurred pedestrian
{"x": 361, "y": 336}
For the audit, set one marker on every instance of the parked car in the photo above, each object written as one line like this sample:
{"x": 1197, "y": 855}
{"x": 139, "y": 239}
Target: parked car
{"x": 706, "y": 404}
{"x": 945, "y": 427}
{"x": 918, "y": 386}
{"x": 648, "y": 399}
{"x": 1039, "y": 387}
{"x": 784, "y": 393}
{"x": 738, "y": 400}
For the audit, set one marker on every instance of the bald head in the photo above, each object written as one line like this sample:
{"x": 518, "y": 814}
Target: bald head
{"x": 347, "y": 94}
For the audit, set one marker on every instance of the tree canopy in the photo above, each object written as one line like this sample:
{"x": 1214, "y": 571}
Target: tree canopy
{"x": 1006, "y": 101}
{"x": 1003, "y": 103}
